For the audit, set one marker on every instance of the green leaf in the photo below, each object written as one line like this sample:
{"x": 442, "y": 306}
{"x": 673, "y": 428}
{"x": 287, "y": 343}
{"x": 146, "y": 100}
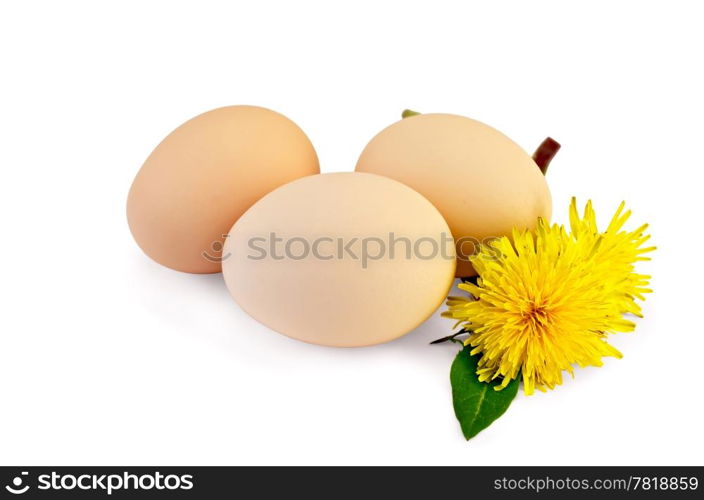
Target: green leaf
{"x": 476, "y": 403}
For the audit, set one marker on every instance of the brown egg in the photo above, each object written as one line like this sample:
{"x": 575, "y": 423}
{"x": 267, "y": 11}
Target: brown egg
{"x": 205, "y": 174}
{"x": 343, "y": 259}
{"x": 481, "y": 181}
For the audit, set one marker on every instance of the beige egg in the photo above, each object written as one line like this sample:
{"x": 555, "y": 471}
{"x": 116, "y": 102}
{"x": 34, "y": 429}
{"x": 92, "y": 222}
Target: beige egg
{"x": 345, "y": 259}
{"x": 481, "y": 181}
{"x": 205, "y": 174}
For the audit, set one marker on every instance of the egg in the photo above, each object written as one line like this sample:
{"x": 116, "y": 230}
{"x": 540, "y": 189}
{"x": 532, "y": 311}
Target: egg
{"x": 204, "y": 175}
{"x": 481, "y": 181}
{"x": 343, "y": 259}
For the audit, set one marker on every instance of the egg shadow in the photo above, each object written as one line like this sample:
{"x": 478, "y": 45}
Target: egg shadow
{"x": 184, "y": 298}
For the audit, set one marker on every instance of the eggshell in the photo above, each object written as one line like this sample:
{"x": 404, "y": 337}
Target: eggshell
{"x": 329, "y": 296}
{"x": 481, "y": 181}
{"x": 205, "y": 174}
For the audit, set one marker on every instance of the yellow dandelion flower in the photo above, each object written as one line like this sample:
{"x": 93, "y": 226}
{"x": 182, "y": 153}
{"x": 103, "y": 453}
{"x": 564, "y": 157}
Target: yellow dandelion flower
{"x": 546, "y": 301}
{"x": 618, "y": 250}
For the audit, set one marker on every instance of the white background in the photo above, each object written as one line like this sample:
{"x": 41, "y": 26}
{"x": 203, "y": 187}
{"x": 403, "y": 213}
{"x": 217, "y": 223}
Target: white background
{"x": 108, "y": 358}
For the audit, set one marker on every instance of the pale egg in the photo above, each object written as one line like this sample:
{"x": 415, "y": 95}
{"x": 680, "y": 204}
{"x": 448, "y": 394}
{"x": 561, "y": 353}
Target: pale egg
{"x": 344, "y": 259}
{"x": 482, "y": 182}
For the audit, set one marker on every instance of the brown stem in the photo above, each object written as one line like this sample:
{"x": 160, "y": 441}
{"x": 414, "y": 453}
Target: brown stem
{"x": 452, "y": 337}
{"x": 407, "y": 113}
{"x": 545, "y": 153}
